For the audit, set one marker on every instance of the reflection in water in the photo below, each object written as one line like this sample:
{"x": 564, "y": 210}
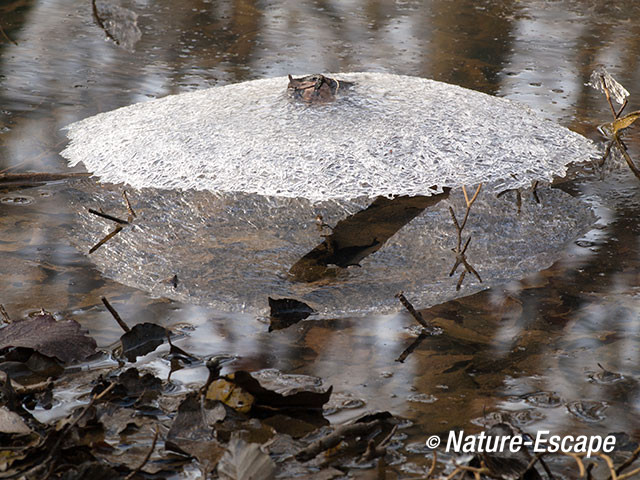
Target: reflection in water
{"x": 544, "y": 336}
{"x": 233, "y": 251}
{"x": 358, "y": 236}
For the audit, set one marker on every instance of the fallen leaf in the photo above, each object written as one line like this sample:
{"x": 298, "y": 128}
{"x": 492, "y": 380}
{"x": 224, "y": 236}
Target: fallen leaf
{"x": 11, "y": 422}
{"x": 136, "y": 385}
{"x": 245, "y": 461}
{"x": 131, "y": 385}
{"x": 230, "y": 394}
{"x": 286, "y": 312}
{"x": 192, "y": 432}
{"x": 64, "y": 339}
{"x": 274, "y": 389}
{"x": 142, "y": 339}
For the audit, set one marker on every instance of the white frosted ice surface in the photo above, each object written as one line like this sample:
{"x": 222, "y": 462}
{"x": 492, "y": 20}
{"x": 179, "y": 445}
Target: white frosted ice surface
{"x": 388, "y": 135}
{"x": 233, "y": 251}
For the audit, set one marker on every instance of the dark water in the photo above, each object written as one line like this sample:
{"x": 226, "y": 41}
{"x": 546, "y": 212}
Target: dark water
{"x": 529, "y": 351}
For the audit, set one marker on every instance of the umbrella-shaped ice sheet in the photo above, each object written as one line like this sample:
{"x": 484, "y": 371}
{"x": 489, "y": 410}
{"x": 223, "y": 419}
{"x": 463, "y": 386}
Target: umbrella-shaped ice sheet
{"x": 385, "y": 135}
{"x": 233, "y": 251}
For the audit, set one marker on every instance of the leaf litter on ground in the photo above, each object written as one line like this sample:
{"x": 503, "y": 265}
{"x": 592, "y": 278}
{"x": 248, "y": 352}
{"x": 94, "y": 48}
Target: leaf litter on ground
{"x": 61, "y": 339}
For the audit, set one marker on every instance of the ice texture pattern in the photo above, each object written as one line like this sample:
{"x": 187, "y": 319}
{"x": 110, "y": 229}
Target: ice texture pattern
{"x": 388, "y": 135}
{"x": 233, "y": 251}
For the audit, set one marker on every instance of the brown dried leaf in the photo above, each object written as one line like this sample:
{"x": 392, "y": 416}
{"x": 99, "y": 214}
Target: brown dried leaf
{"x": 11, "y": 422}
{"x": 64, "y": 340}
{"x": 245, "y": 461}
{"x": 192, "y": 432}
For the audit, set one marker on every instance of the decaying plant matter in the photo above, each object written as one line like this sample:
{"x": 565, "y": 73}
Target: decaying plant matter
{"x": 603, "y": 81}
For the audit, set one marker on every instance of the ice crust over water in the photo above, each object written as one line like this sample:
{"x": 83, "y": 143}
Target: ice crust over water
{"x": 388, "y": 135}
{"x": 233, "y": 251}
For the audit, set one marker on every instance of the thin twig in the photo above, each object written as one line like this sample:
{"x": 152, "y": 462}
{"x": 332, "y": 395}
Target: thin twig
{"x": 414, "y": 313}
{"x": 629, "y": 474}
{"x": 578, "y": 460}
{"x": 409, "y": 350}
{"x": 115, "y": 315}
{"x": 475, "y": 195}
{"x": 628, "y": 461}
{"x": 624, "y": 104}
{"x": 534, "y": 192}
{"x": 108, "y": 237}
{"x": 460, "y": 251}
{"x": 146, "y": 458}
{"x": 477, "y": 471}
{"x": 5, "y": 315}
{"x": 132, "y": 214}
{"x": 4, "y": 34}
{"x": 433, "y": 465}
{"x": 54, "y": 450}
{"x": 108, "y": 217}
{"x": 13, "y": 167}
{"x": 376, "y": 451}
{"x": 334, "y": 438}
{"x": 606, "y": 154}
{"x": 608, "y": 95}
{"x": 33, "y": 388}
{"x": 546, "y": 469}
{"x": 626, "y": 156}
{"x": 531, "y": 463}
{"x": 38, "y": 176}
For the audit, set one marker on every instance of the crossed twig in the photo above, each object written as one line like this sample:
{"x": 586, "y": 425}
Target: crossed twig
{"x": 118, "y": 221}
{"x": 460, "y": 251}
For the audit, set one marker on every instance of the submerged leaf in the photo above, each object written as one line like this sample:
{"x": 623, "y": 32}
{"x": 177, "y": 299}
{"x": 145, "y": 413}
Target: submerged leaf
{"x": 142, "y": 339}
{"x": 245, "y": 461}
{"x": 63, "y": 339}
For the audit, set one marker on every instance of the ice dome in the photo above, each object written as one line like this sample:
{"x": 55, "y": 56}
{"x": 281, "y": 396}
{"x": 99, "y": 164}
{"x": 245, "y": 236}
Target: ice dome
{"x": 387, "y": 135}
{"x": 230, "y": 181}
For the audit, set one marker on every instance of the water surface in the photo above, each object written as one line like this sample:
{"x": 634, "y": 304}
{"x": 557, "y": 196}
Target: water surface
{"x": 529, "y": 350}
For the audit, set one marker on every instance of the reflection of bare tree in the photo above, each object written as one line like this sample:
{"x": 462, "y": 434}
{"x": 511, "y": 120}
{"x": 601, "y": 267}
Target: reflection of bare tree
{"x": 469, "y": 45}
